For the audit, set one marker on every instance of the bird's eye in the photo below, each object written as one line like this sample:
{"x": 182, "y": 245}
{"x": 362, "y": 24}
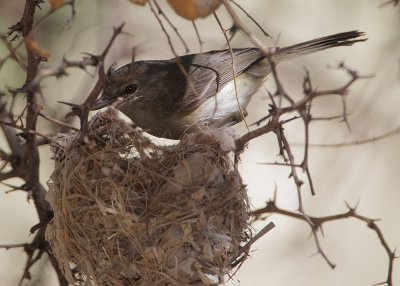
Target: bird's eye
{"x": 131, "y": 88}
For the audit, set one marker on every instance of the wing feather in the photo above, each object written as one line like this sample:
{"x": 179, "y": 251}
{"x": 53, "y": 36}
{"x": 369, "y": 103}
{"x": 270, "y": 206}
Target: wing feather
{"x": 210, "y": 72}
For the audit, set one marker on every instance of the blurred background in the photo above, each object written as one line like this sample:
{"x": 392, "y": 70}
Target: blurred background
{"x": 367, "y": 175}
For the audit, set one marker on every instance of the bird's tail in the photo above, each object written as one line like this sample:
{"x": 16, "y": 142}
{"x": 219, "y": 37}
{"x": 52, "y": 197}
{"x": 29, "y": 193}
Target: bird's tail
{"x": 336, "y": 40}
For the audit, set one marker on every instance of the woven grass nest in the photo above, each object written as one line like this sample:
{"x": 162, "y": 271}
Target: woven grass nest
{"x": 130, "y": 212}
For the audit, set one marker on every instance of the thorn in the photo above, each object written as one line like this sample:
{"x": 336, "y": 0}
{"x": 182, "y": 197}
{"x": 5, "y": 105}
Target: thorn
{"x": 35, "y": 228}
{"x": 380, "y": 283}
{"x": 119, "y": 28}
{"x": 357, "y": 203}
{"x": 275, "y": 192}
{"x": 348, "y": 206}
{"x": 73, "y": 105}
{"x": 319, "y": 226}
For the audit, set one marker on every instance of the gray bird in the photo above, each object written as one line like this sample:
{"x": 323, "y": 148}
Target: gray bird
{"x": 167, "y": 102}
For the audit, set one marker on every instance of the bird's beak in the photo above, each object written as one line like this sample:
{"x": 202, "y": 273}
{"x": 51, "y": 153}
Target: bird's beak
{"x": 101, "y": 102}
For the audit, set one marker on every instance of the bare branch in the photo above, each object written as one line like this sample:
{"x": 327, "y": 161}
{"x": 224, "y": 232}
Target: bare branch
{"x": 317, "y": 223}
{"x": 60, "y": 70}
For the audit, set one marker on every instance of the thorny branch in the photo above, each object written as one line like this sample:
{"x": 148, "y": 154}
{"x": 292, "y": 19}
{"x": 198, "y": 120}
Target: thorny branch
{"x": 317, "y": 222}
{"x": 82, "y": 111}
{"x": 23, "y": 160}
{"x": 26, "y": 164}
{"x": 303, "y": 107}
{"x": 61, "y": 69}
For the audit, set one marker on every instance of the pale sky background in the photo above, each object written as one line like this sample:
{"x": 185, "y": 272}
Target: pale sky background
{"x": 368, "y": 174}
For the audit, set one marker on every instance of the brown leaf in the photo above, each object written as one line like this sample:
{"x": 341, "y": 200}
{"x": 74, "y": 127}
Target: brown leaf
{"x": 55, "y": 4}
{"x": 139, "y": 2}
{"x": 193, "y": 9}
{"x": 34, "y": 47}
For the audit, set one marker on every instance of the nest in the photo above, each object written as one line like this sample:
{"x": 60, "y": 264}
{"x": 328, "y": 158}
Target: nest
{"x": 129, "y": 212}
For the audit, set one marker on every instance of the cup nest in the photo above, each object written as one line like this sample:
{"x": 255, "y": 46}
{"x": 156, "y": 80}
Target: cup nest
{"x": 130, "y": 212}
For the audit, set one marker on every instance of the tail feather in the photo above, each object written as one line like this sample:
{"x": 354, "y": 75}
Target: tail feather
{"x": 336, "y": 40}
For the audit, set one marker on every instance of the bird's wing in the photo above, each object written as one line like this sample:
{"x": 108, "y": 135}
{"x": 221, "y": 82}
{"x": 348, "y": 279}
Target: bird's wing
{"x": 208, "y": 73}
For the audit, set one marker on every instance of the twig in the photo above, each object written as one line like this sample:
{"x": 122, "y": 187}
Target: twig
{"x": 82, "y": 111}
{"x": 41, "y": 20}
{"x": 293, "y": 173}
{"x": 245, "y": 249}
{"x": 60, "y": 70}
{"x": 24, "y": 130}
{"x": 238, "y": 23}
{"x": 233, "y": 70}
{"x": 243, "y": 140}
{"x": 13, "y": 140}
{"x": 63, "y": 124}
{"x": 160, "y": 12}
{"x": 198, "y": 36}
{"x": 10, "y": 246}
{"x": 13, "y": 53}
{"x": 357, "y": 142}
{"x": 100, "y": 82}
{"x": 177, "y": 59}
{"x": 394, "y": 2}
{"x": 251, "y": 18}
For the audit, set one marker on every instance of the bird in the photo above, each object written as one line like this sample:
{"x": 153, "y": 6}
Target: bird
{"x": 169, "y": 98}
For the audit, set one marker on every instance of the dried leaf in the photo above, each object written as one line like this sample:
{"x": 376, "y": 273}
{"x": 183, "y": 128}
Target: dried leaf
{"x": 34, "y": 47}
{"x": 193, "y": 9}
{"x": 139, "y": 2}
{"x": 55, "y": 4}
